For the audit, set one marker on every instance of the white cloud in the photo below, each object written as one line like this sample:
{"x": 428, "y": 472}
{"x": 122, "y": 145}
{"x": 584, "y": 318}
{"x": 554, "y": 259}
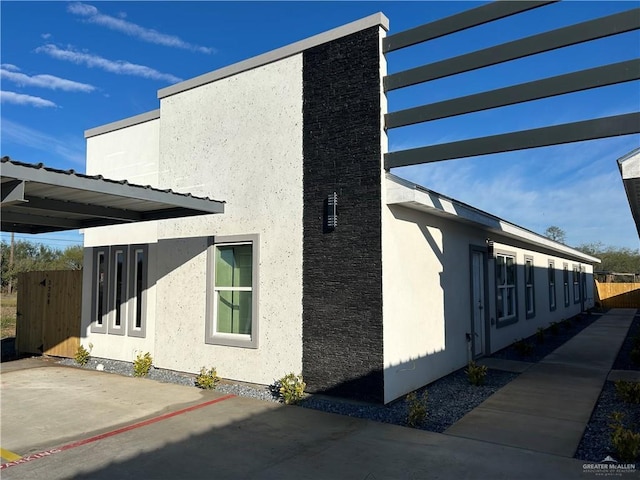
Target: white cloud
{"x": 46, "y": 36}
{"x": 119, "y": 67}
{"x": 93, "y": 15}
{"x": 21, "y": 99}
{"x": 71, "y": 149}
{"x": 10, "y": 67}
{"x": 44, "y": 81}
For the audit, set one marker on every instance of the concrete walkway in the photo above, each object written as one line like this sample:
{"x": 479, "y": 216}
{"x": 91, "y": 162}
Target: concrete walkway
{"x": 548, "y": 406}
{"x": 64, "y": 422}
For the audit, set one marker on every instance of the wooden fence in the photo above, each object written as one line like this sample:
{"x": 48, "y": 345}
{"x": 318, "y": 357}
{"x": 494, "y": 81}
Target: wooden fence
{"x": 618, "y": 295}
{"x": 48, "y": 312}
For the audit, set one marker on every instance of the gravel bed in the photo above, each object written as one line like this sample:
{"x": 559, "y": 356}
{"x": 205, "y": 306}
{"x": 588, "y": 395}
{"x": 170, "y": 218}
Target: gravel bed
{"x": 565, "y": 331}
{"x": 596, "y": 440}
{"x": 169, "y": 376}
{"x": 448, "y": 400}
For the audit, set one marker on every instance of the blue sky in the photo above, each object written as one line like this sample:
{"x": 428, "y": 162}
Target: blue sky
{"x": 71, "y": 66}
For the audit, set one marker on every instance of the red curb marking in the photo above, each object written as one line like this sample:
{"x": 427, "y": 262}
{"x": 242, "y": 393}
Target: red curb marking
{"x": 79, "y": 443}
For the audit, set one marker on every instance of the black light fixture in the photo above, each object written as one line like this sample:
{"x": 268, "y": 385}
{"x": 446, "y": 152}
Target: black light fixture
{"x": 489, "y": 248}
{"x": 332, "y": 211}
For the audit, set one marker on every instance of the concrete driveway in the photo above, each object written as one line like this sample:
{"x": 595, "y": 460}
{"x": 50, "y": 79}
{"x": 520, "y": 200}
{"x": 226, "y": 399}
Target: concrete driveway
{"x": 62, "y": 422}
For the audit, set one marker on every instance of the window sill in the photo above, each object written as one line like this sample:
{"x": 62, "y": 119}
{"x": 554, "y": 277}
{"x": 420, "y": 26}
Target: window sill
{"x": 232, "y": 340}
{"x": 506, "y": 321}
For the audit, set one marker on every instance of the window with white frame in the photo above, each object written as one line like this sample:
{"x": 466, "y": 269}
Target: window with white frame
{"x": 119, "y": 287}
{"x": 232, "y": 291}
{"x": 506, "y": 288}
{"x": 552, "y": 285}
{"x": 565, "y": 281}
{"x": 530, "y": 300}
{"x": 576, "y": 284}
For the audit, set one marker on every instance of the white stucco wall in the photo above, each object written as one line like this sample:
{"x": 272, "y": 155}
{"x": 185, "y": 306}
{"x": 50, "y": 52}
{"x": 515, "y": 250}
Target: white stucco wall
{"x": 426, "y": 296}
{"x": 426, "y": 287}
{"x": 133, "y": 154}
{"x": 129, "y": 153}
{"x": 238, "y": 139}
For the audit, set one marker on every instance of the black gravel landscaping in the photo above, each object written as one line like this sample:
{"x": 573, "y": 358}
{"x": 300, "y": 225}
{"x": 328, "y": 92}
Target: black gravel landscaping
{"x": 449, "y": 398}
{"x": 596, "y": 441}
{"x": 542, "y": 344}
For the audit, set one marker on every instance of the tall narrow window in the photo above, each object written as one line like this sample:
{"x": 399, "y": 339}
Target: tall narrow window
{"x": 565, "y": 280}
{"x": 583, "y": 283}
{"x": 530, "y": 301}
{"x": 552, "y": 286}
{"x": 506, "y": 288}
{"x": 101, "y": 276}
{"x": 138, "y": 267}
{"x": 137, "y": 279}
{"x": 118, "y": 290}
{"x": 576, "y": 284}
{"x": 232, "y": 291}
{"x": 100, "y": 291}
{"x": 118, "y": 279}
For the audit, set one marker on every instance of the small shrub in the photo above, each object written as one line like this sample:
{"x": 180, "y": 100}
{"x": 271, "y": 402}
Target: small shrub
{"x": 416, "y": 408}
{"x": 207, "y": 379}
{"x": 628, "y": 392}
{"x": 554, "y": 328}
{"x": 142, "y": 365}
{"x": 291, "y": 388}
{"x": 567, "y": 324}
{"x": 83, "y": 355}
{"x": 476, "y": 373}
{"x": 626, "y": 442}
{"x": 523, "y": 347}
{"x": 635, "y": 356}
{"x": 540, "y": 335}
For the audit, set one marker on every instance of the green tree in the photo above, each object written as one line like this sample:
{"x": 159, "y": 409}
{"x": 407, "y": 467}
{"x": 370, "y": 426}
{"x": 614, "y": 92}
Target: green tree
{"x": 71, "y": 258}
{"x": 614, "y": 259}
{"x": 31, "y": 256}
{"x": 555, "y": 233}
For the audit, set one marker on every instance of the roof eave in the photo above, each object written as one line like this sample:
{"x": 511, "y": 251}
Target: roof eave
{"x": 411, "y": 195}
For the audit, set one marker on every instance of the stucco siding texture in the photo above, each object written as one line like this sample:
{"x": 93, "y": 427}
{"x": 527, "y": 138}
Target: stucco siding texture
{"x": 238, "y": 139}
{"x": 427, "y": 296}
{"x": 342, "y": 273}
{"x": 131, "y": 153}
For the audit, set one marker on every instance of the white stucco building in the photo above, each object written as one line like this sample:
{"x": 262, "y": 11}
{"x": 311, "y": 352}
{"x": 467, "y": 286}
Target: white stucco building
{"x": 322, "y": 262}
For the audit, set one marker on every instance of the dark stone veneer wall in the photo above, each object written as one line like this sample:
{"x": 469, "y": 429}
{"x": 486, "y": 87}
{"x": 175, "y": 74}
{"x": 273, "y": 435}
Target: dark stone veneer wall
{"x": 342, "y": 269}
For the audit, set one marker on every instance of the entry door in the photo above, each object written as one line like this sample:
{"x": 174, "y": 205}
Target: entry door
{"x": 478, "y": 306}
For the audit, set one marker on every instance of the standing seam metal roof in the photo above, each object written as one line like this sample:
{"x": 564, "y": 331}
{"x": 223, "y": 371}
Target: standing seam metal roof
{"x": 38, "y": 199}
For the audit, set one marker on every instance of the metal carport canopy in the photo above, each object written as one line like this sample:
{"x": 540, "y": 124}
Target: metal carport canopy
{"x": 37, "y": 199}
